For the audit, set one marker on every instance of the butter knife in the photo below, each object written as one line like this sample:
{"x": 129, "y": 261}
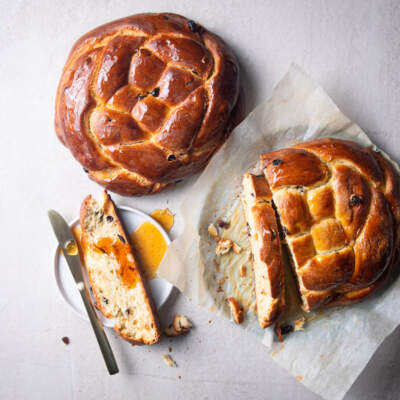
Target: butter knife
{"x": 70, "y": 250}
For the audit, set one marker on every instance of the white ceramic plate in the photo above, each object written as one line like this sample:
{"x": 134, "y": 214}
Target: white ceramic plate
{"x": 131, "y": 218}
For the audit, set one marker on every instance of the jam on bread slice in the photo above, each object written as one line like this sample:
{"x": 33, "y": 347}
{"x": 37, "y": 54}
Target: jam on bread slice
{"x": 266, "y": 248}
{"x": 117, "y": 282}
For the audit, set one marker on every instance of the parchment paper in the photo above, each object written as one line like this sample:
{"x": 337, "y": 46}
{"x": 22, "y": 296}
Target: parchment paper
{"x": 333, "y": 349}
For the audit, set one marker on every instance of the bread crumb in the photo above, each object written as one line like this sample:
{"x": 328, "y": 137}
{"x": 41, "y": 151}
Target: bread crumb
{"x": 213, "y": 232}
{"x": 282, "y": 329}
{"x": 223, "y": 247}
{"x": 299, "y": 378}
{"x": 65, "y": 339}
{"x": 180, "y": 324}
{"x": 216, "y": 264}
{"x": 169, "y": 361}
{"x": 299, "y": 324}
{"x": 223, "y": 224}
{"x": 236, "y": 248}
{"x": 170, "y": 332}
{"x": 222, "y": 280}
{"x": 242, "y": 271}
{"x": 236, "y": 310}
{"x": 179, "y": 377}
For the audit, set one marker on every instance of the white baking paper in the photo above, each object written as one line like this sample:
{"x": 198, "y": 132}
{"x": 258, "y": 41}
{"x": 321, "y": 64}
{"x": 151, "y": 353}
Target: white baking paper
{"x": 333, "y": 349}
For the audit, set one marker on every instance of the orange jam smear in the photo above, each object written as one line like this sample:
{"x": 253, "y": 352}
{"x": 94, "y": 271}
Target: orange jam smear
{"x": 150, "y": 246}
{"x": 164, "y": 217}
{"x": 123, "y": 255}
{"x": 71, "y": 248}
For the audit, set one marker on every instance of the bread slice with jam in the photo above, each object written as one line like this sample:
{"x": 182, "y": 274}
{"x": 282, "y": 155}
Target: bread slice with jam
{"x": 117, "y": 282}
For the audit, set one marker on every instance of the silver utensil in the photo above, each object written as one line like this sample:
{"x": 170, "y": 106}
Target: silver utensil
{"x": 70, "y": 250}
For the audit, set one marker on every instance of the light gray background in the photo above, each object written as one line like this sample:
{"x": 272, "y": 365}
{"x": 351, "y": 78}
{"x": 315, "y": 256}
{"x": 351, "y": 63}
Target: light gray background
{"x": 351, "y": 47}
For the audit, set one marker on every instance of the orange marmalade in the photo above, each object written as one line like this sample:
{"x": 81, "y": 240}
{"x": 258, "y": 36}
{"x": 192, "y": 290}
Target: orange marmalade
{"x": 122, "y": 253}
{"x": 72, "y": 250}
{"x": 164, "y": 217}
{"x": 150, "y": 246}
{"x": 149, "y": 243}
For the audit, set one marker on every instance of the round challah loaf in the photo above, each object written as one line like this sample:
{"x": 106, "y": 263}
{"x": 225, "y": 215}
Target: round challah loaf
{"x": 145, "y": 100}
{"x": 339, "y": 207}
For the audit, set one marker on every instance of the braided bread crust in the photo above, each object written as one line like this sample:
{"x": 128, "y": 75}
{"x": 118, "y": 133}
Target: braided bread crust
{"x": 339, "y": 207}
{"x": 146, "y": 100}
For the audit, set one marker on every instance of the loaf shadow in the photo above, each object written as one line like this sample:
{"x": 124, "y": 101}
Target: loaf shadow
{"x": 249, "y": 88}
{"x": 166, "y": 311}
{"x": 248, "y": 83}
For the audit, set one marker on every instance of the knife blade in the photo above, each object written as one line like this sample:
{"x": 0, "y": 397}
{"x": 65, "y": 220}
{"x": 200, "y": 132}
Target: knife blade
{"x": 70, "y": 250}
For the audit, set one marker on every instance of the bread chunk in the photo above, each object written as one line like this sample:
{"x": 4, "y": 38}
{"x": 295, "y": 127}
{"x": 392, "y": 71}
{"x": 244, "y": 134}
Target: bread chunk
{"x": 180, "y": 325}
{"x": 266, "y": 248}
{"x": 236, "y": 310}
{"x": 118, "y": 284}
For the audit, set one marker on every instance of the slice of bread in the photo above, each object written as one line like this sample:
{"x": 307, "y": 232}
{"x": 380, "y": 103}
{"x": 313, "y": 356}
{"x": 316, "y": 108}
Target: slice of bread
{"x": 266, "y": 248}
{"x": 118, "y": 284}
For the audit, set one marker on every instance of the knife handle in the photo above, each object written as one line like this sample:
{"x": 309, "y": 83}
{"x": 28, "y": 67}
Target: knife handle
{"x": 99, "y": 332}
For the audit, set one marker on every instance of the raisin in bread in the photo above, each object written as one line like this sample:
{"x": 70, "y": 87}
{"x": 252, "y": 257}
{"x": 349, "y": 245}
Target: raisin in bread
{"x": 118, "y": 284}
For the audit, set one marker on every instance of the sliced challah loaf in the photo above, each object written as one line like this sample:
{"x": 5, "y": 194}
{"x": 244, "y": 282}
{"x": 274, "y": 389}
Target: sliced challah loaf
{"x": 338, "y": 206}
{"x": 117, "y": 282}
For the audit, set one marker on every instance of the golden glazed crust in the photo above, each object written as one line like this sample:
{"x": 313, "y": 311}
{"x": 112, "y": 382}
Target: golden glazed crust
{"x": 147, "y": 99}
{"x": 339, "y": 206}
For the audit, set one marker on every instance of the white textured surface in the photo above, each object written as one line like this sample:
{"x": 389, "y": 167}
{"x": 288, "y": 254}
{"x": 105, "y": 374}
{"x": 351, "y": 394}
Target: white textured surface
{"x": 350, "y": 47}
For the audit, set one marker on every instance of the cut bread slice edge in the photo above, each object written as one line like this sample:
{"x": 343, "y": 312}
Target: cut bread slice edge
{"x": 265, "y": 244}
{"x": 117, "y": 282}
{"x": 277, "y": 286}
